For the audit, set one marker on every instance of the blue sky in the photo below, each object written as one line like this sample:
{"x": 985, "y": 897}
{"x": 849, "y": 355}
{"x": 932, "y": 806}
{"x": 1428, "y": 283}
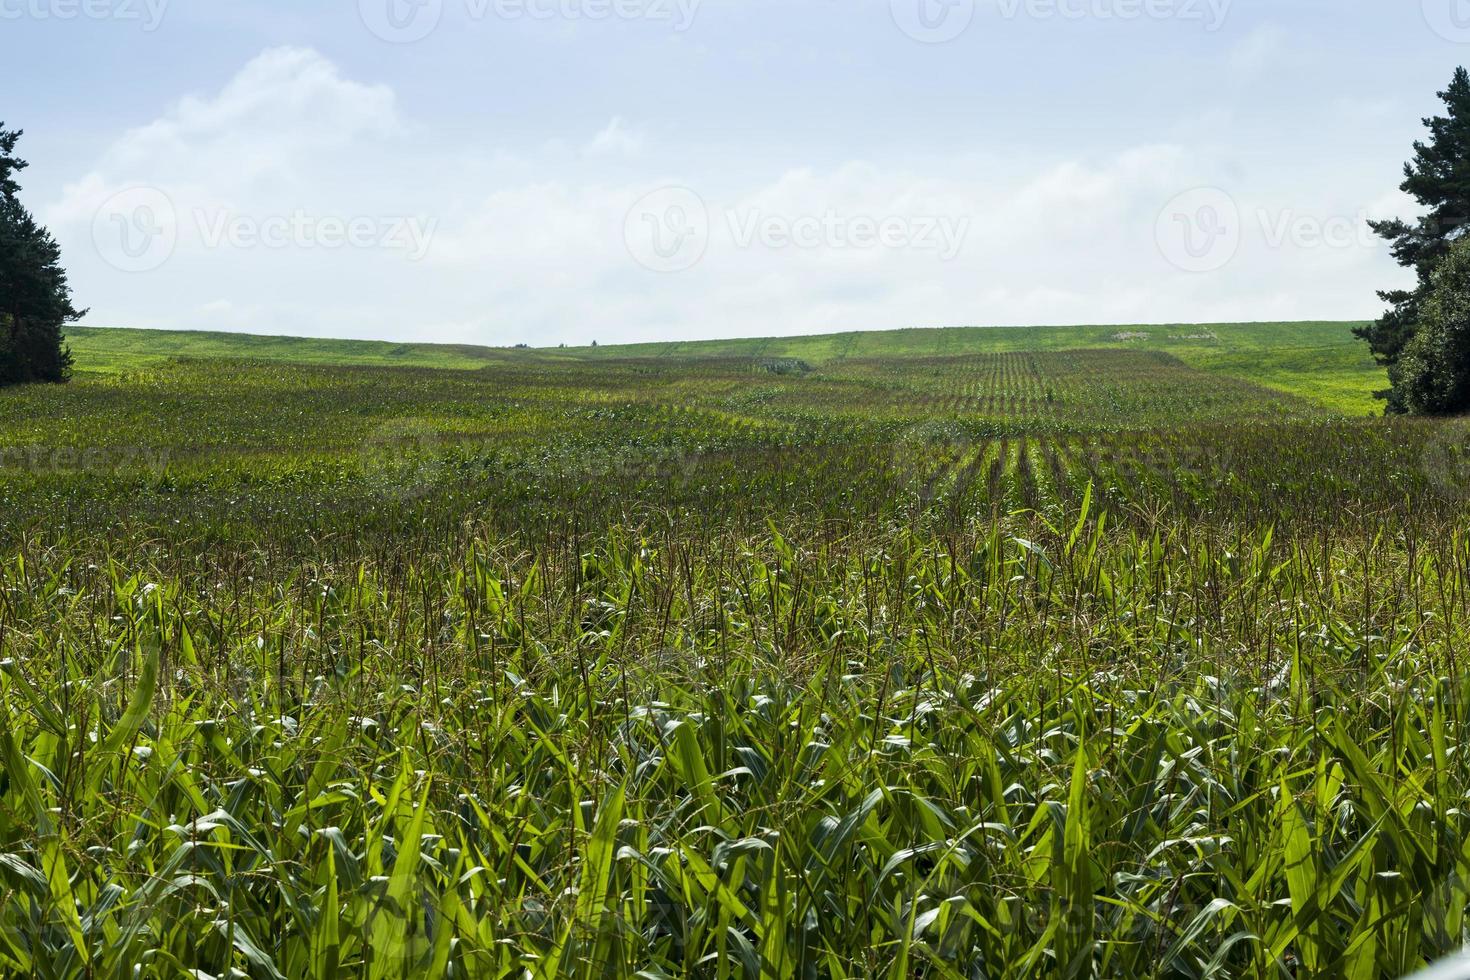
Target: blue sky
{"x": 548, "y": 171}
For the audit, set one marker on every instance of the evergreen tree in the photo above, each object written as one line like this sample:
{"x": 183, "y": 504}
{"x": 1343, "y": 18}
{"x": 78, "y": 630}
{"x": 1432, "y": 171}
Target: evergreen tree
{"x": 1432, "y": 376}
{"x": 1438, "y": 177}
{"x": 9, "y": 163}
{"x": 35, "y": 299}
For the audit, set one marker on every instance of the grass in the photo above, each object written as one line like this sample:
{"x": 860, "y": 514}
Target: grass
{"x": 112, "y": 350}
{"x": 1322, "y": 362}
{"x": 946, "y": 663}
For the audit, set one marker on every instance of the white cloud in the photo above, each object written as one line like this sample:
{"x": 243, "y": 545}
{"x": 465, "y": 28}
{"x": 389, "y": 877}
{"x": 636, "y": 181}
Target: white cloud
{"x": 529, "y": 245}
{"x": 1260, "y": 49}
{"x": 616, "y": 139}
{"x": 226, "y": 314}
{"x": 273, "y": 125}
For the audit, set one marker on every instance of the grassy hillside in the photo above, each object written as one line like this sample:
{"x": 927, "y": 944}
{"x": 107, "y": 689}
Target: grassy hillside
{"x": 112, "y": 349}
{"x": 1319, "y": 361}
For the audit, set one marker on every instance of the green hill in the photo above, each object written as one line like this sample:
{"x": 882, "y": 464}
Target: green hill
{"x": 1320, "y": 361}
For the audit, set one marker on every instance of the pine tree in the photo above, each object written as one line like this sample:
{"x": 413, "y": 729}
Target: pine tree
{"x": 35, "y": 299}
{"x": 1438, "y": 177}
{"x": 9, "y": 163}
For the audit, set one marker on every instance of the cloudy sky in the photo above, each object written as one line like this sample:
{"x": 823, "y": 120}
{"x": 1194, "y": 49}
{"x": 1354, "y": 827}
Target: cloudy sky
{"x": 547, "y": 171}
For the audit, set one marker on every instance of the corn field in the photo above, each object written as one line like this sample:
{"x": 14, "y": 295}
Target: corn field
{"x": 729, "y": 669}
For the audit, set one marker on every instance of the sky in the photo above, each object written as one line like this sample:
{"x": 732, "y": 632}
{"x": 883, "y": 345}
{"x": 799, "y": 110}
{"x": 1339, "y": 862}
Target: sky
{"x": 566, "y": 171}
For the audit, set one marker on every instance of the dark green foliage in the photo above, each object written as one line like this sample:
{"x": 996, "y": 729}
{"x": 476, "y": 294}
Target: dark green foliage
{"x": 35, "y": 300}
{"x": 9, "y": 162}
{"x": 1433, "y": 375}
{"x": 1390, "y": 333}
{"x": 1438, "y": 177}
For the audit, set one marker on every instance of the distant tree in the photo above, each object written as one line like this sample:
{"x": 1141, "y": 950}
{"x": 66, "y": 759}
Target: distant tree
{"x": 35, "y": 299}
{"x": 9, "y": 163}
{"x": 1438, "y": 177}
{"x": 1432, "y": 375}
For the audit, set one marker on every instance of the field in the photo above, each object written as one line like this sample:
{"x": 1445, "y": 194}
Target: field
{"x": 1067, "y": 652}
{"x": 1322, "y": 362}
